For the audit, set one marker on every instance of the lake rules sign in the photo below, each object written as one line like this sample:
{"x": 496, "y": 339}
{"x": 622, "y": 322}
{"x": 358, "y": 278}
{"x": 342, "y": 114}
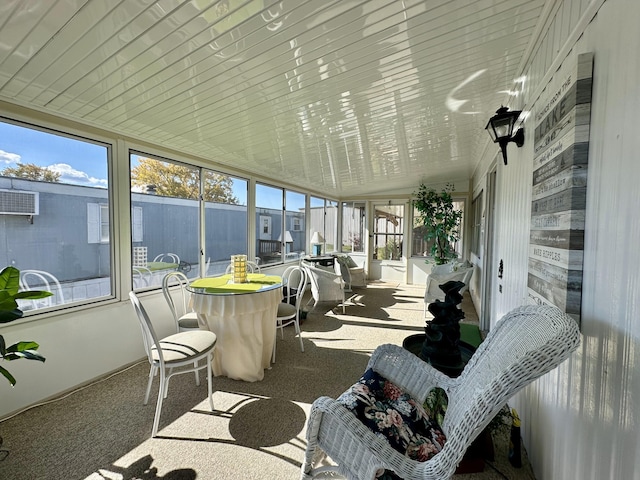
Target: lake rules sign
{"x": 561, "y": 153}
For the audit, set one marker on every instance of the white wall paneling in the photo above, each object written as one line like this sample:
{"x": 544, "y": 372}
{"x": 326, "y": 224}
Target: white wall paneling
{"x": 580, "y": 421}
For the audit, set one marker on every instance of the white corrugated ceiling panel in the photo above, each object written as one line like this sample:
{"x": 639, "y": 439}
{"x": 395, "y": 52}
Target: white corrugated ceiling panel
{"x": 345, "y": 97}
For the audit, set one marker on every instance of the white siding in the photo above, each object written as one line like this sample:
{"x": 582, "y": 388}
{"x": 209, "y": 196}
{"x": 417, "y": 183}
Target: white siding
{"x": 580, "y": 421}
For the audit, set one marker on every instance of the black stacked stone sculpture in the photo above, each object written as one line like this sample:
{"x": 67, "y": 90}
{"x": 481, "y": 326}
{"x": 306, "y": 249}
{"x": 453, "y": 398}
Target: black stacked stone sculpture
{"x": 441, "y": 345}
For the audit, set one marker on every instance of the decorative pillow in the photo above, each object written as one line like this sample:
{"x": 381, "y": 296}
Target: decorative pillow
{"x": 436, "y": 404}
{"x": 350, "y": 262}
{"x": 394, "y": 415}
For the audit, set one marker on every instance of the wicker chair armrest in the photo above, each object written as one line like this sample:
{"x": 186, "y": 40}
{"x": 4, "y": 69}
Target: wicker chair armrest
{"x": 409, "y": 372}
{"x": 362, "y": 453}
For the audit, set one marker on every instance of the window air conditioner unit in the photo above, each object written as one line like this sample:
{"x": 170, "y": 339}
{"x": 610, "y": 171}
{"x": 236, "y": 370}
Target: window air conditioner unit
{"x": 18, "y": 202}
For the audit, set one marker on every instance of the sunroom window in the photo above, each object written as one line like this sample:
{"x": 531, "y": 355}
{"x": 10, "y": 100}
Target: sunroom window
{"x": 168, "y": 193}
{"x": 62, "y": 244}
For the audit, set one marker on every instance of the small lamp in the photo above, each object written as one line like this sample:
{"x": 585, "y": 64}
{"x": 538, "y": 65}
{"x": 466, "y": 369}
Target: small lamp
{"x": 500, "y": 128}
{"x": 316, "y": 241}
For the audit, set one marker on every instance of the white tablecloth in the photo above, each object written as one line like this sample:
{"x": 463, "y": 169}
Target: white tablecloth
{"x": 245, "y": 325}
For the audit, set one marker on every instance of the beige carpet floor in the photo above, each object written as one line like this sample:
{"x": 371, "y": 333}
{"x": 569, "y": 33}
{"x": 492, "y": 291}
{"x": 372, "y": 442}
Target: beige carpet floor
{"x": 257, "y": 430}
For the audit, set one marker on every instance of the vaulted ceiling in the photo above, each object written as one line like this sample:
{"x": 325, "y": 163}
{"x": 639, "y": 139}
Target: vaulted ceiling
{"x": 345, "y": 97}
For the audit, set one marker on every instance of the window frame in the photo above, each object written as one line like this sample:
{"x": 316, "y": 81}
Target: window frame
{"x": 460, "y": 244}
{"x": 101, "y": 288}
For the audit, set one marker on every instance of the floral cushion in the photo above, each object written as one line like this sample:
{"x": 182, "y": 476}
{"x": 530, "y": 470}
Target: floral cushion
{"x": 394, "y": 415}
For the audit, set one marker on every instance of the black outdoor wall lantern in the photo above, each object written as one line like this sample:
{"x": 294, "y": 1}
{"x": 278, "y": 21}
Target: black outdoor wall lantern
{"x": 500, "y": 128}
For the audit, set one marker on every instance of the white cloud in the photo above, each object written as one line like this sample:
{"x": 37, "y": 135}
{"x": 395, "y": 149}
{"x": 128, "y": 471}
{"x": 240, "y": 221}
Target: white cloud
{"x": 8, "y": 158}
{"x": 68, "y": 174}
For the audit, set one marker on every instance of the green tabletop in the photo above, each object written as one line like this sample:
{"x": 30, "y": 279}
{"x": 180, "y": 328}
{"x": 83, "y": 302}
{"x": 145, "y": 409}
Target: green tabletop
{"x": 257, "y": 282}
{"x": 154, "y": 266}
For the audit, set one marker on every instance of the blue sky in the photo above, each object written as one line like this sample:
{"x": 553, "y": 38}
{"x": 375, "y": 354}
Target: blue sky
{"x": 85, "y": 163}
{"x": 79, "y": 163}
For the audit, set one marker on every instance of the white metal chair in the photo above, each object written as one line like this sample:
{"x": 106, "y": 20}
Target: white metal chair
{"x": 295, "y": 281}
{"x": 41, "y": 280}
{"x": 178, "y": 353}
{"x": 179, "y": 306}
{"x": 252, "y": 267}
{"x": 441, "y": 274}
{"x": 527, "y": 343}
{"x": 326, "y": 286}
{"x": 168, "y": 258}
{"x": 141, "y": 276}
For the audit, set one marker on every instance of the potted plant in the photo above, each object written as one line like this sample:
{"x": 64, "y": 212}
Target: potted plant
{"x": 9, "y": 311}
{"x": 441, "y": 221}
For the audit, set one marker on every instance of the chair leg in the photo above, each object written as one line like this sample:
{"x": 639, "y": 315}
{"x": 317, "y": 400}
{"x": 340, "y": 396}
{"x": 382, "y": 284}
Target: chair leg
{"x": 297, "y": 325}
{"x": 209, "y": 360}
{"x": 197, "y": 372}
{"x": 273, "y": 354}
{"x": 152, "y": 373}
{"x": 161, "y": 393}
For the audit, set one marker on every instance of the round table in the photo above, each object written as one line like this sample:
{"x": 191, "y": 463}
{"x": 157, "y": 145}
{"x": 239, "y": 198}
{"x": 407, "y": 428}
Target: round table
{"x": 243, "y": 317}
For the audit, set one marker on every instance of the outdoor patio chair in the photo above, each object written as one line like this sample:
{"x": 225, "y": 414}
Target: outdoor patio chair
{"x": 167, "y": 258}
{"x": 178, "y": 353}
{"x": 141, "y": 276}
{"x": 41, "y": 280}
{"x": 527, "y": 343}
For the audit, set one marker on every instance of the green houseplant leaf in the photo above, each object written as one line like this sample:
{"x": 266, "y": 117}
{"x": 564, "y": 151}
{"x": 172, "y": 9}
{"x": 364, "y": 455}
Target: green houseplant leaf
{"x": 9, "y": 311}
{"x": 439, "y": 219}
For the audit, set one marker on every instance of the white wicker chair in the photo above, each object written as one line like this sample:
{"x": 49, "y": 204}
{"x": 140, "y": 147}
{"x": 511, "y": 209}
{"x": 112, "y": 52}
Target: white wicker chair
{"x": 326, "y": 286}
{"x": 527, "y": 343}
{"x": 352, "y": 276}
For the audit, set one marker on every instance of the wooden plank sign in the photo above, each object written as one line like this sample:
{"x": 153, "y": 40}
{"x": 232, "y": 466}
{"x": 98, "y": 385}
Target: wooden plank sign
{"x": 561, "y": 154}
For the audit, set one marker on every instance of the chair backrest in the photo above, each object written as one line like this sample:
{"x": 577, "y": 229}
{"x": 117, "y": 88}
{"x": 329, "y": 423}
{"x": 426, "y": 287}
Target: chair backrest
{"x": 179, "y": 305}
{"x": 467, "y": 273}
{"x": 444, "y": 273}
{"x": 326, "y": 286}
{"x": 141, "y": 276}
{"x": 149, "y": 336}
{"x": 528, "y": 342}
{"x": 252, "y": 267}
{"x": 295, "y": 280}
{"x": 341, "y": 265}
{"x": 41, "y": 280}
{"x": 168, "y": 258}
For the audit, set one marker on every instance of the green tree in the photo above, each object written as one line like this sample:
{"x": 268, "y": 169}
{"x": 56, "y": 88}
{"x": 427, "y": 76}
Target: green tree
{"x": 173, "y": 180}
{"x": 440, "y": 221}
{"x": 31, "y": 171}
